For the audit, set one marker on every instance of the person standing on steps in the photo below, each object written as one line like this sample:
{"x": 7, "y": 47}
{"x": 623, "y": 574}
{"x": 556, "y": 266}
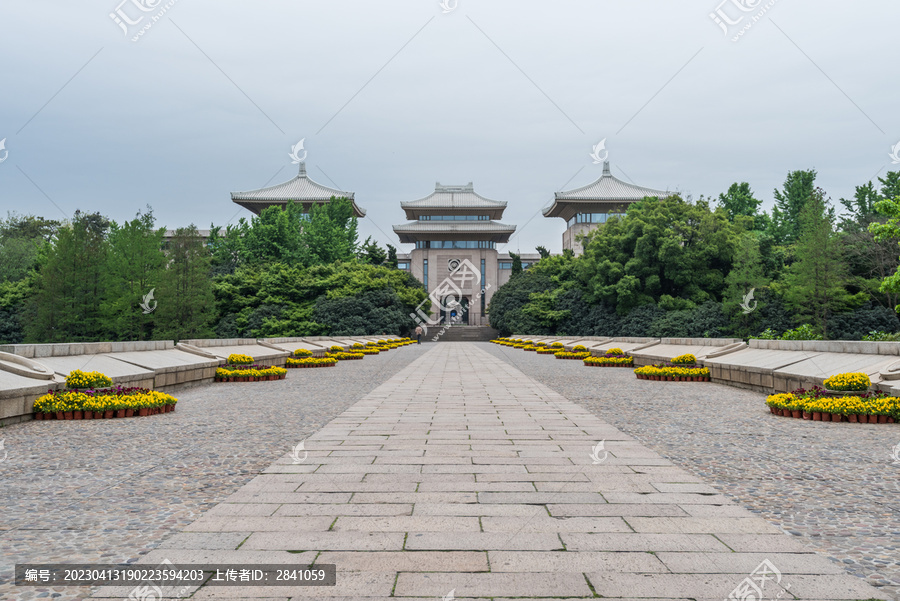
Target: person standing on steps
{"x": 418, "y": 334}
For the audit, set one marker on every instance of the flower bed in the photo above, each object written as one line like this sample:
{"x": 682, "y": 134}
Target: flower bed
{"x": 818, "y": 405}
{"x": 302, "y": 353}
{"x": 850, "y": 382}
{"x": 610, "y": 360}
{"x": 253, "y": 373}
{"x": 366, "y": 351}
{"x": 311, "y": 362}
{"x": 90, "y": 380}
{"x": 345, "y": 356}
{"x": 557, "y": 345}
{"x": 566, "y": 355}
{"x": 238, "y": 359}
{"x": 672, "y": 373}
{"x": 547, "y": 351}
{"x": 102, "y": 404}
{"x": 687, "y": 359}
{"x": 530, "y": 347}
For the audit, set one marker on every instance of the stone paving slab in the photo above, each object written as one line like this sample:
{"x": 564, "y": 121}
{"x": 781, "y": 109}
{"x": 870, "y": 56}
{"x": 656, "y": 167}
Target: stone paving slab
{"x": 607, "y": 536}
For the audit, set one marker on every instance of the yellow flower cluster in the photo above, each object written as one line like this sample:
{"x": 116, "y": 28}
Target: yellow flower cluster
{"x": 547, "y": 351}
{"x": 614, "y": 351}
{"x": 687, "y": 359}
{"x": 345, "y": 356}
{"x": 621, "y": 361}
{"x": 238, "y": 359}
{"x": 311, "y": 361}
{"x": 673, "y": 372}
{"x": 132, "y": 398}
{"x": 91, "y": 379}
{"x": 302, "y": 352}
{"x": 530, "y": 347}
{"x": 579, "y": 348}
{"x": 850, "y": 381}
{"x": 843, "y": 405}
{"x": 336, "y": 349}
{"x": 557, "y": 345}
{"x": 565, "y": 355}
{"x": 366, "y": 351}
{"x": 229, "y": 372}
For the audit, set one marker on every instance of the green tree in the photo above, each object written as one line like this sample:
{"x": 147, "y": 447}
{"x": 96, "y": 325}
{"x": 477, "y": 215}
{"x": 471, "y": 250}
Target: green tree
{"x": 68, "y": 288}
{"x": 813, "y": 286}
{"x": 890, "y": 185}
{"x": 739, "y": 200}
{"x": 516, "y": 264}
{"x": 542, "y": 250}
{"x": 186, "y": 305}
{"x": 391, "y": 257}
{"x": 135, "y": 266}
{"x": 661, "y": 247}
{"x": 371, "y": 253}
{"x": 746, "y": 276}
{"x": 330, "y": 233}
{"x": 799, "y": 187}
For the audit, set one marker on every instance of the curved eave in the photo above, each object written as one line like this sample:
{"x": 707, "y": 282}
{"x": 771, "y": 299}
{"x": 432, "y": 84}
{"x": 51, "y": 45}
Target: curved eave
{"x": 258, "y": 205}
{"x": 410, "y": 233}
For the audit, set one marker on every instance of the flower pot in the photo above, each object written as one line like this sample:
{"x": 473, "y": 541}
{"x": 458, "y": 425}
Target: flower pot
{"x": 76, "y": 415}
{"x": 797, "y": 413}
{"x": 826, "y": 417}
{"x": 873, "y": 419}
{"x": 129, "y": 412}
{"x": 817, "y": 416}
{"x": 807, "y": 415}
{"x": 837, "y": 417}
{"x": 109, "y": 414}
{"x": 39, "y": 416}
{"x": 882, "y": 419}
{"x": 120, "y": 413}
{"x": 852, "y": 418}
{"x": 68, "y": 415}
{"x": 890, "y": 420}
{"x": 143, "y": 412}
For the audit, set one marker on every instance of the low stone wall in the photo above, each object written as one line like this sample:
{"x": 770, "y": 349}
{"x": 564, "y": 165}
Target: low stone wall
{"x": 667, "y": 348}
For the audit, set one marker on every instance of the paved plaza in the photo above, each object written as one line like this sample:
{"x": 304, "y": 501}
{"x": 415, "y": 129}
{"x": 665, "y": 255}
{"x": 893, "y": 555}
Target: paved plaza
{"x": 460, "y": 472}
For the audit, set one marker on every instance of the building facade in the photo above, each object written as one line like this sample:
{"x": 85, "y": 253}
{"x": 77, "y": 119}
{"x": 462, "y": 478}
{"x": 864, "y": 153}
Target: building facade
{"x": 585, "y": 208}
{"x": 452, "y": 227}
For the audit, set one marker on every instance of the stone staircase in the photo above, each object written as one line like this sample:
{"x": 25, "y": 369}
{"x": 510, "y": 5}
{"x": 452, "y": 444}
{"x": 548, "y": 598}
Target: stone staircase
{"x": 463, "y": 334}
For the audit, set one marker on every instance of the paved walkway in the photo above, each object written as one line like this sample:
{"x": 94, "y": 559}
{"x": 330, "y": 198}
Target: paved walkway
{"x": 110, "y": 491}
{"x": 461, "y": 477}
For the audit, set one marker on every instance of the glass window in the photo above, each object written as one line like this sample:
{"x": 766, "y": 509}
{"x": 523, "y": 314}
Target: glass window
{"x": 505, "y": 264}
{"x": 402, "y": 265}
{"x": 454, "y": 218}
{"x": 425, "y": 273}
{"x": 459, "y": 244}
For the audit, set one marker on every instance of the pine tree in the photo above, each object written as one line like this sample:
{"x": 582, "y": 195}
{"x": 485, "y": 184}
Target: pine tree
{"x": 746, "y": 276}
{"x": 186, "y": 306}
{"x": 813, "y": 286}
{"x": 789, "y": 202}
{"x": 134, "y": 269}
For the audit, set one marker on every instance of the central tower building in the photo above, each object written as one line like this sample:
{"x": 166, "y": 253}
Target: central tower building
{"x": 451, "y": 225}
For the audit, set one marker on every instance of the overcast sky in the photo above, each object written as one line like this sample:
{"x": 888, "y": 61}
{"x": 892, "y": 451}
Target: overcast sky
{"x": 392, "y": 96}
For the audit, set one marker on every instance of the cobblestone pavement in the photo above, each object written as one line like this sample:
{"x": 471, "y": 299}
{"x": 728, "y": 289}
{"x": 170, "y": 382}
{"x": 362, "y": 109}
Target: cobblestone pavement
{"x": 833, "y": 486}
{"x": 110, "y": 491}
{"x": 460, "y": 477}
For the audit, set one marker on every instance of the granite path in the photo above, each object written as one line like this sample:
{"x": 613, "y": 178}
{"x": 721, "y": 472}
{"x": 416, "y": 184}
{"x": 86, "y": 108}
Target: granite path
{"x": 833, "y": 487}
{"x": 461, "y": 477}
{"x": 110, "y": 491}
